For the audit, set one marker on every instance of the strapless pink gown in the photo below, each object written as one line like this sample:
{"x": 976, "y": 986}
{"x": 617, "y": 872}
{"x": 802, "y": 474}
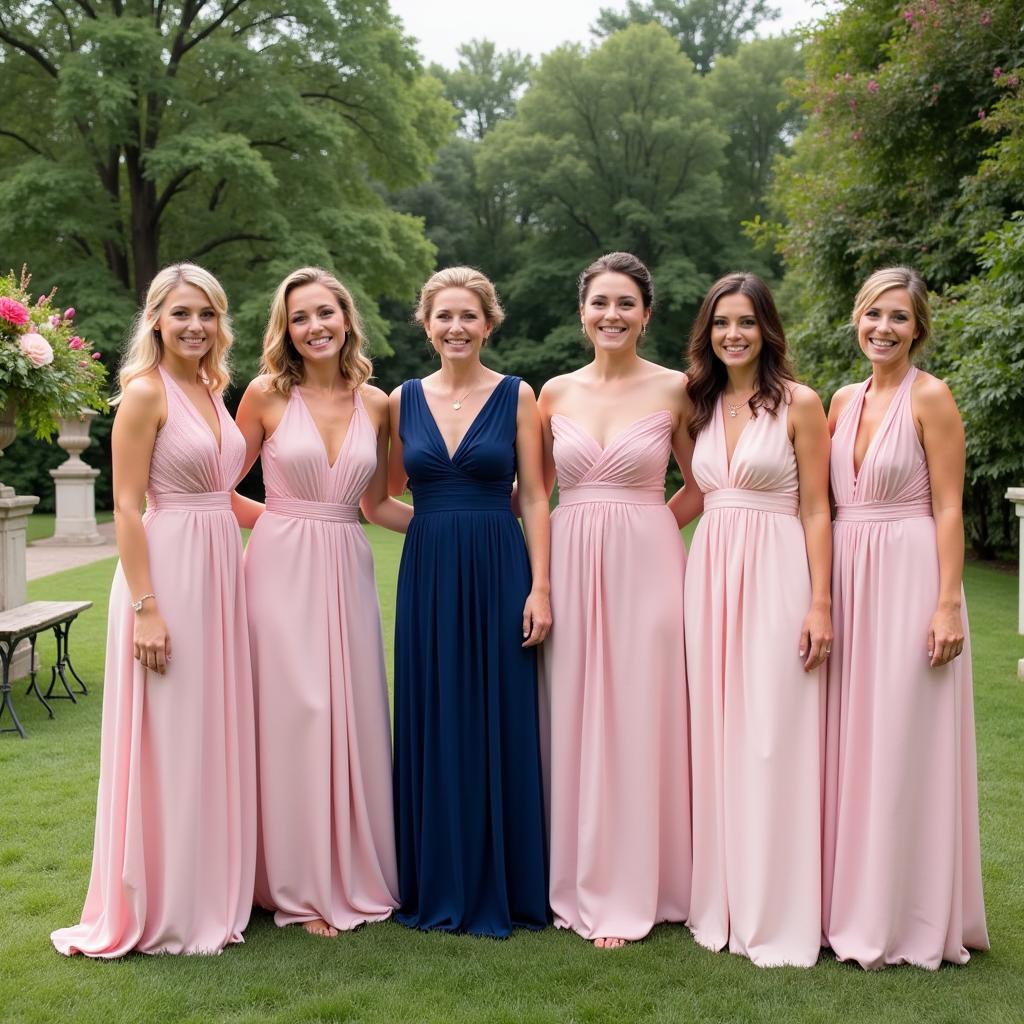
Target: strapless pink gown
{"x": 175, "y": 843}
{"x": 756, "y": 718}
{"x": 326, "y": 831}
{"x": 902, "y": 856}
{"x": 613, "y": 681}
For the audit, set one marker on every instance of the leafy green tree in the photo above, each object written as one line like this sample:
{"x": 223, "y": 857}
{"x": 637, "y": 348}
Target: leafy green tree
{"x": 486, "y": 85}
{"x": 615, "y": 148}
{"x": 705, "y": 29}
{"x": 244, "y": 134}
{"x": 749, "y": 91}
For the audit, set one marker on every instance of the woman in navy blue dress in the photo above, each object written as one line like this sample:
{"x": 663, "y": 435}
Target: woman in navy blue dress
{"x": 472, "y": 606}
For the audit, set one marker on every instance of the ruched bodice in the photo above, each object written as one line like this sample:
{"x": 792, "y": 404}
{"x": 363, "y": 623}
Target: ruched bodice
{"x": 763, "y": 459}
{"x": 186, "y": 459}
{"x": 636, "y": 457}
{"x": 295, "y": 460}
{"x": 894, "y": 469}
{"x": 478, "y": 475}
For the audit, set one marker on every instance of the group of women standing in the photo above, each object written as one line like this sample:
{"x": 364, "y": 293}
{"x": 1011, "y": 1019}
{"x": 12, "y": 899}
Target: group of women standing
{"x": 773, "y": 744}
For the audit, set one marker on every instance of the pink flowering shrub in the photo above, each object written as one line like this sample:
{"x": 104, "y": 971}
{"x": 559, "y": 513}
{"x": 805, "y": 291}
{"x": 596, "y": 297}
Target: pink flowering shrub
{"x": 47, "y": 371}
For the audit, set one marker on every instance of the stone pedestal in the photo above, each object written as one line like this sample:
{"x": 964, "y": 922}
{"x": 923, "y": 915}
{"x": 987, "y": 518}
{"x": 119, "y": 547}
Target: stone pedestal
{"x": 1016, "y": 495}
{"x": 14, "y": 512}
{"x": 75, "y": 484}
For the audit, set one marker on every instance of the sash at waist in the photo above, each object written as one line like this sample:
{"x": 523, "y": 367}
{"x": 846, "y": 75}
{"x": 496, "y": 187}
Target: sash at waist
{"x": 328, "y": 511}
{"x": 455, "y": 495}
{"x": 775, "y": 502}
{"x": 584, "y": 493}
{"x": 883, "y": 511}
{"x": 200, "y": 501}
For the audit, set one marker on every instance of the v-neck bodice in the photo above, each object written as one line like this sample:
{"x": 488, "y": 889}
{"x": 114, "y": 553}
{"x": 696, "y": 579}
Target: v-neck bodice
{"x": 479, "y": 473}
{"x": 295, "y": 463}
{"x": 894, "y": 469}
{"x": 186, "y": 457}
{"x": 636, "y": 457}
{"x": 763, "y": 459}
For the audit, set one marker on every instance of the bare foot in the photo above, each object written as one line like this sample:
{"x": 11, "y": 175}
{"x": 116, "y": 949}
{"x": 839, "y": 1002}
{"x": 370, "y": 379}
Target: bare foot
{"x": 610, "y": 943}
{"x": 320, "y": 927}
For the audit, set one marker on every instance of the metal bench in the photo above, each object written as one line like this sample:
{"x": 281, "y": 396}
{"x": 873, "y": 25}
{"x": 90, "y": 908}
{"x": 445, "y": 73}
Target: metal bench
{"x": 24, "y": 623}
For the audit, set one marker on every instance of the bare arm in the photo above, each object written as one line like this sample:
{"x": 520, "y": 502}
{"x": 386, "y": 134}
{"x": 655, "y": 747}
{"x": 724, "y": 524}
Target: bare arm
{"x": 533, "y": 501}
{"x": 397, "y": 478}
{"x": 377, "y": 506}
{"x": 943, "y": 439}
{"x": 250, "y": 421}
{"x": 142, "y": 412}
{"x": 688, "y": 502}
{"x": 809, "y": 430}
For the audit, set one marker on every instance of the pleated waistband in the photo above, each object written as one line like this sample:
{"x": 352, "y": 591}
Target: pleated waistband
{"x": 584, "y": 493}
{"x": 326, "y": 510}
{"x": 456, "y": 495}
{"x": 883, "y": 511}
{"x": 752, "y": 500}
{"x": 201, "y": 501}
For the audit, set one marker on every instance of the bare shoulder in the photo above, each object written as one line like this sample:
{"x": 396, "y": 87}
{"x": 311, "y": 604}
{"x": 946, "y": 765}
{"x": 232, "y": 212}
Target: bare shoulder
{"x": 805, "y": 399}
{"x": 144, "y": 394}
{"x": 374, "y": 397}
{"x": 261, "y": 391}
{"x": 931, "y": 392}
{"x": 554, "y": 392}
{"x": 841, "y": 399}
{"x": 527, "y": 399}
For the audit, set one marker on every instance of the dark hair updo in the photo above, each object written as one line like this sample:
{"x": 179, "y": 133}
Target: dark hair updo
{"x": 619, "y": 263}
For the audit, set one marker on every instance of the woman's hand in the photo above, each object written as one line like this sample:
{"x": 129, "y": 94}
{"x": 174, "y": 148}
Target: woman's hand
{"x": 945, "y": 636}
{"x": 536, "y": 618}
{"x": 152, "y": 644}
{"x": 816, "y": 638}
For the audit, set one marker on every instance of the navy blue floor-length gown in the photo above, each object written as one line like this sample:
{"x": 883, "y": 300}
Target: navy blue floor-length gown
{"x": 468, "y": 791}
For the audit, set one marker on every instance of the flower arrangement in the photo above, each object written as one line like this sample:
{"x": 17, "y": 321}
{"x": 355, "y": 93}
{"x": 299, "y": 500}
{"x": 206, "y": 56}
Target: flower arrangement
{"x": 47, "y": 371}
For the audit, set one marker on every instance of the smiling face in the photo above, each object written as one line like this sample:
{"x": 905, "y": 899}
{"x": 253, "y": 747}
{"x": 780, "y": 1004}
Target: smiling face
{"x": 886, "y": 328}
{"x": 735, "y": 331}
{"x": 188, "y": 323}
{"x": 613, "y": 313}
{"x": 456, "y": 326}
{"x": 316, "y": 323}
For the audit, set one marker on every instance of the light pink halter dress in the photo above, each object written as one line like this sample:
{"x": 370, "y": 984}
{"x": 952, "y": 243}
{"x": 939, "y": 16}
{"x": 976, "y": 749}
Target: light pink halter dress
{"x": 756, "y": 718}
{"x": 175, "y": 844}
{"x": 326, "y": 834}
{"x": 902, "y": 860}
{"x": 613, "y": 687}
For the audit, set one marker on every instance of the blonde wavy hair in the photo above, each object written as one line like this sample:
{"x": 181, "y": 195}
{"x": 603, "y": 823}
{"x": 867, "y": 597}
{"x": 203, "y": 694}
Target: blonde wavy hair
{"x": 282, "y": 362}
{"x": 461, "y": 277}
{"x": 897, "y": 277}
{"x": 144, "y": 349}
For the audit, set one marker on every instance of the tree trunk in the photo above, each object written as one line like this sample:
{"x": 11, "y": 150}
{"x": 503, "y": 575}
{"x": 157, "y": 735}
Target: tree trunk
{"x": 145, "y": 238}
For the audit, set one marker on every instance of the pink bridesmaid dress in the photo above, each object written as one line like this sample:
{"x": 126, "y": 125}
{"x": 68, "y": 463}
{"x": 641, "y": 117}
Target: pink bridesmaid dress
{"x": 175, "y": 842}
{"x": 756, "y": 718}
{"x": 902, "y": 855}
{"x": 613, "y": 680}
{"x": 326, "y": 829}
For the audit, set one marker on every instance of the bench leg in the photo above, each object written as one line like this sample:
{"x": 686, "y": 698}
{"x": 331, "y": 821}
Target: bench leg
{"x": 32, "y": 687}
{"x": 6, "y": 654}
{"x": 61, "y": 631}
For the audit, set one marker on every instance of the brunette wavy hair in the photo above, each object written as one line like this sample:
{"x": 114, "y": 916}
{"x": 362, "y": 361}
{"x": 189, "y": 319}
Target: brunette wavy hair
{"x": 707, "y": 373}
{"x": 281, "y": 360}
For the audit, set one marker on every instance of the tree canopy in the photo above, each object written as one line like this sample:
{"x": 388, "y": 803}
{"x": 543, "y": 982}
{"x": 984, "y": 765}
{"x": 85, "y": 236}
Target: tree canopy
{"x": 242, "y": 134}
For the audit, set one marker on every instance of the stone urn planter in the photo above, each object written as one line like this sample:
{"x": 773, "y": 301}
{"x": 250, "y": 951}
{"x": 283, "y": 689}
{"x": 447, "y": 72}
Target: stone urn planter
{"x": 75, "y": 483}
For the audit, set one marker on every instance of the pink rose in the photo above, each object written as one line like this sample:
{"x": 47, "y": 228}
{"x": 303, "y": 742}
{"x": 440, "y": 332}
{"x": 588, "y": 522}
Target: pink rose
{"x": 36, "y": 349}
{"x": 55, "y": 320}
{"x": 69, "y": 313}
{"x": 96, "y": 355}
{"x": 13, "y": 312}
{"x": 76, "y": 342}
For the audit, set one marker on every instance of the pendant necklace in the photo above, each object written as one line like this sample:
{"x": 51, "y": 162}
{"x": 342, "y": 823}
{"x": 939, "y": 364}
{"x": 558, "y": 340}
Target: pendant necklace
{"x": 734, "y": 409}
{"x": 457, "y": 403}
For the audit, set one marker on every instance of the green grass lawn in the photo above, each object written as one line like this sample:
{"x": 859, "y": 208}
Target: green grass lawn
{"x": 385, "y": 973}
{"x": 40, "y": 524}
